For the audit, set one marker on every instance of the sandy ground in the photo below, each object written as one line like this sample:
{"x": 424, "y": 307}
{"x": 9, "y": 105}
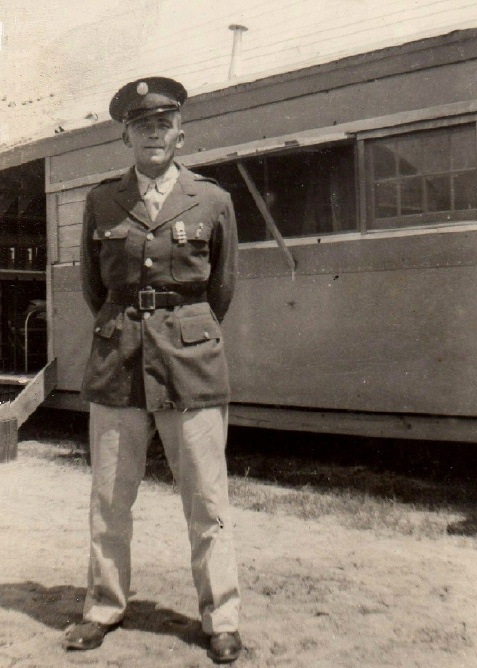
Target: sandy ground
{"x": 315, "y": 594}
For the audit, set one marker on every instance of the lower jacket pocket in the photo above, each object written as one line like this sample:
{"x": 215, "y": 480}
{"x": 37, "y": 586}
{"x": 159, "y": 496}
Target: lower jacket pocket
{"x": 199, "y": 328}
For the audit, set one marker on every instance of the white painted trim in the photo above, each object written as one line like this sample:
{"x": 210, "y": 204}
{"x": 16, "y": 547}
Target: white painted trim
{"x": 358, "y": 236}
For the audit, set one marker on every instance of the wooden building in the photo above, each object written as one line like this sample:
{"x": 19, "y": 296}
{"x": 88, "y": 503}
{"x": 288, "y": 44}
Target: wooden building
{"x": 355, "y": 186}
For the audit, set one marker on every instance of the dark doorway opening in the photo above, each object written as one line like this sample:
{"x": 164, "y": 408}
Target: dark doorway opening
{"x": 23, "y": 331}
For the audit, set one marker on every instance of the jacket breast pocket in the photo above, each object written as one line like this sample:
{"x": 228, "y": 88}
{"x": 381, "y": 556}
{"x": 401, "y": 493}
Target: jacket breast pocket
{"x": 190, "y": 251}
{"x": 118, "y": 232}
{"x": 115, "y": 251}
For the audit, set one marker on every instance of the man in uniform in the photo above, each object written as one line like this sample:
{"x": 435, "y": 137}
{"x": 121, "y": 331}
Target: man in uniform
{"x": 159, "y": 252}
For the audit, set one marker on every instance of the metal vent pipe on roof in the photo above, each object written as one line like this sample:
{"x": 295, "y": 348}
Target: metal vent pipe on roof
{"x": 235, "y": 69}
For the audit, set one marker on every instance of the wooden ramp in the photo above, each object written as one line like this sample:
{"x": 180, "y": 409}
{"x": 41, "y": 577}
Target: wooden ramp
{"x": 14, "y": 412}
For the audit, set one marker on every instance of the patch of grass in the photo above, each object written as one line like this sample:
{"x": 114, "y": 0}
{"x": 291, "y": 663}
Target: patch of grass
{"x": 352, "y": 508}
{"x": 63, "y": 452}
{"x": 410, "y": 489}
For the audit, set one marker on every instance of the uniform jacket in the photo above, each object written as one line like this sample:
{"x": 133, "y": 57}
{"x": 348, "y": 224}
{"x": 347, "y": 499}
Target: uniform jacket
{"x": 174, "y": 357}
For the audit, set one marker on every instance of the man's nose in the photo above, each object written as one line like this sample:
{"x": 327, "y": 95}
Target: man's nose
{"x": 156, "y": 129}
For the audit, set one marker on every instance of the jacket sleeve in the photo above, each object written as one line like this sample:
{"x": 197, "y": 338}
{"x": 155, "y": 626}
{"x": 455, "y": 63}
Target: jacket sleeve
{"x": 94, "y": 292}
{"x": 223, "y": 258}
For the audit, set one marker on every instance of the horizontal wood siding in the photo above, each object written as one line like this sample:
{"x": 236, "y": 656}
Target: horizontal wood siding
{"x": 70, "y": 215}
{"x": 323, "y": 30}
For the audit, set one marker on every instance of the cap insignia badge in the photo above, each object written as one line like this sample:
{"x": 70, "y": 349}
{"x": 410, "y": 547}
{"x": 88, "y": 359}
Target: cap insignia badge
{"x": 142, "y": 88}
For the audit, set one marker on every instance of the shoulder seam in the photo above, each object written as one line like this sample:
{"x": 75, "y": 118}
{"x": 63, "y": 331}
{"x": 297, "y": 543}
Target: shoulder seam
{"x": 111, "y": 179}
{"x": 208, "y": 179}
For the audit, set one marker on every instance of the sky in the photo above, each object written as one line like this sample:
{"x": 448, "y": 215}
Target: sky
{"x": 61, "y": 62}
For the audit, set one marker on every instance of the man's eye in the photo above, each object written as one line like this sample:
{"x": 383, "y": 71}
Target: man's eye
{"x": 150, "y": 127}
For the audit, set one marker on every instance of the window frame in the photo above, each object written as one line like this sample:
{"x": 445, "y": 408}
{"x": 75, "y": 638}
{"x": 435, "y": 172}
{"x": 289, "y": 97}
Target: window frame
{"x": 418, "y": 222}
{"x": 295, "y": 149}
{"x": 356, "y": 132}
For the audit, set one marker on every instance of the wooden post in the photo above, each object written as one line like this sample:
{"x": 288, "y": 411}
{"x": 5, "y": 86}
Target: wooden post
{"x": 8, "y": 433}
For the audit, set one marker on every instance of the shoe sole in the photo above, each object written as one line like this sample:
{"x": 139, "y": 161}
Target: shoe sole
{"x": 68, "y": 644}
{"x": 229, "y": 659}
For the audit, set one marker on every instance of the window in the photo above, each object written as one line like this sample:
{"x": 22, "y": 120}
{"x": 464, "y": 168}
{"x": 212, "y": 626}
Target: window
{"x": 310, "y": 192}
{"x": 422, "y": 177}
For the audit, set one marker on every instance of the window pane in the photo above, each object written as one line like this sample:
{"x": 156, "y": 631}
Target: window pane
{"x": 384, "y": 160}
{"x": 307, "y": 192}
{"x": 312, "y": 192}
{"x": 436, "y": 179}
{"x": 465, "y": 191}
{"x": 411, "y": 196}
{"x": 410, "y": 155}
{"x": 385, "y": 194}
{"x": 438, "y": 193}
{"x": 436, "y": 151}
{"x": 463, "y": 148}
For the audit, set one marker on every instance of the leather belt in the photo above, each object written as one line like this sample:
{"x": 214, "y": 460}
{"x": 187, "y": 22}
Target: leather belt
{"x": 150, "y": 299}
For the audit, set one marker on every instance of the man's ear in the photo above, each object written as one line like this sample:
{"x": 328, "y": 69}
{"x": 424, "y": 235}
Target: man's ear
{"x": 180, "y": 139}
{"x": 126, "y": 137}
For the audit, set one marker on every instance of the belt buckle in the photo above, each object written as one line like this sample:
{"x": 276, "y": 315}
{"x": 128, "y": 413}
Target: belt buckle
{"x": 147, "y": 300}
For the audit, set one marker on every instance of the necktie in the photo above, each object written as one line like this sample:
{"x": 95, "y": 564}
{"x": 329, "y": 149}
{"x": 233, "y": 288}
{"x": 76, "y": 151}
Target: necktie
{"x": 152, "y": 200}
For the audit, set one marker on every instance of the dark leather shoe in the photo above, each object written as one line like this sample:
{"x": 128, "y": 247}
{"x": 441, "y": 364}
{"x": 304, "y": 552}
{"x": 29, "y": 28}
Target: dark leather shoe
{"x": 224, "y": 647}
{"x": 85, "y": 635}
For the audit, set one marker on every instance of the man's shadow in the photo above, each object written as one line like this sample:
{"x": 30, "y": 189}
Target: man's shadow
{"x": 59, "y": 606}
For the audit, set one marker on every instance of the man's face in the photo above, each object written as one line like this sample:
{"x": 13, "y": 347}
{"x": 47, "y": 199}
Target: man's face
{"x": 154, "y": 141}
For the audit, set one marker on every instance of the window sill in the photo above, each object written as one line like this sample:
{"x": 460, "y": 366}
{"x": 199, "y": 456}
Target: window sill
{"x": 444, "y": 228}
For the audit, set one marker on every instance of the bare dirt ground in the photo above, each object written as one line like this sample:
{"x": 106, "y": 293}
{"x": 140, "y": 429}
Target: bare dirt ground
{"x": 317, "y": 591}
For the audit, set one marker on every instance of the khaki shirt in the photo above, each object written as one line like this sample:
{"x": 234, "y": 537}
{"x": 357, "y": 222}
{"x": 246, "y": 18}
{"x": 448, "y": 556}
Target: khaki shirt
{"x": 175, "y": 356}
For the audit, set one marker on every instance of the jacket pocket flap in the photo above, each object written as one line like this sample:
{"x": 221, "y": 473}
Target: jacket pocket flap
{"x": 117, "y": 232}
{"x": 199, "y": 328}
{"x": 106, "y": 329}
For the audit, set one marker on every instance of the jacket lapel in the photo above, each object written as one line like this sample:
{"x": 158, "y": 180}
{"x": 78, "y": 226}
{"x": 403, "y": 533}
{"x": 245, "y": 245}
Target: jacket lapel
{"x": 128, "y": 196}
{"x": 182, "y": 198}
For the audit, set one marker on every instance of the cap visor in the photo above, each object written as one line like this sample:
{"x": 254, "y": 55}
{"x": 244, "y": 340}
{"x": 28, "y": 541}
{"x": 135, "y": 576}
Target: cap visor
{"x": 133, "y": 117}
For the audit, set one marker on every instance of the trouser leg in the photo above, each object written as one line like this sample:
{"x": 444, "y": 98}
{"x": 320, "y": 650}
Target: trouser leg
{"x": 119, "y": 438}
{"x": 194, "y": 443}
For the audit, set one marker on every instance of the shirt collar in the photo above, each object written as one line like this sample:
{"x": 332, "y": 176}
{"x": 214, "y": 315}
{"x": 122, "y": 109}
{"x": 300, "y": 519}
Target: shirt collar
{"x": 163, "y": 182}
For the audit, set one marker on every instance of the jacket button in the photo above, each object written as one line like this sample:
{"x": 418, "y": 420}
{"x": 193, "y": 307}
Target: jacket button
{"x": 107, "y": 233}
{"x": 97, "y": 329}
{"x": 207, "y": 335}
{"x": 148, "y": 262}
{"x": 146, "y": 315}
{"x": 149, "y": 236}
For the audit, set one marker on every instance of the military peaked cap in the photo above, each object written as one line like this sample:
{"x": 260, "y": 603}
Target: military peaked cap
{"x": 145, "y": 97}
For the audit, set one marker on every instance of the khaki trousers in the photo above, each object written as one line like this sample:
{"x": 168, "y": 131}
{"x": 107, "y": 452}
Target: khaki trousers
{"x": 194, "y": 443}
